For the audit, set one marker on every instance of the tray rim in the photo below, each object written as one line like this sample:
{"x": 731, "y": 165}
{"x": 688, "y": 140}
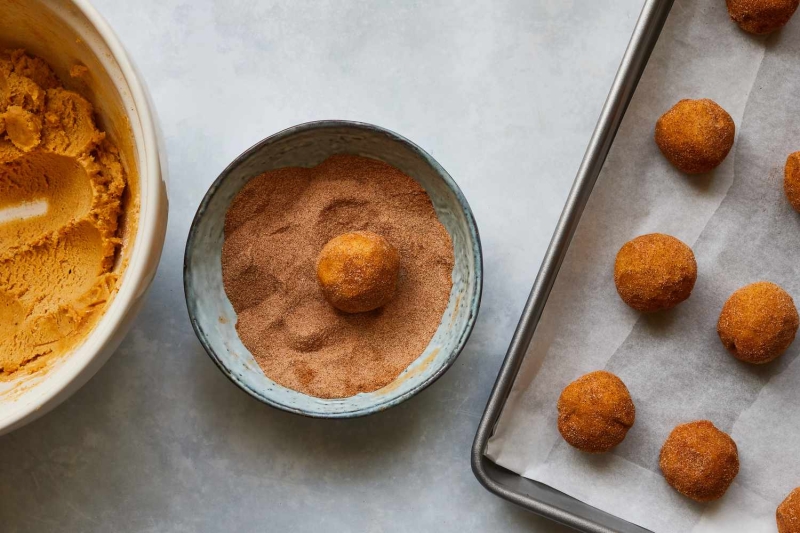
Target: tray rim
{"x": 637, "y": 54}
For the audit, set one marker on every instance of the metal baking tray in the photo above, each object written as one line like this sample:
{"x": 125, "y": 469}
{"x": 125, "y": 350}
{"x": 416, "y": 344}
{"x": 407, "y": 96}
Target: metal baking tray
{"x": 532, "y": 495}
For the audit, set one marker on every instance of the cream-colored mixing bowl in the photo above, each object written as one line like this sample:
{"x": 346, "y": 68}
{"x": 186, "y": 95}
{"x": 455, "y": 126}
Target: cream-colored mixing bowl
{"x": 65, "y": 33}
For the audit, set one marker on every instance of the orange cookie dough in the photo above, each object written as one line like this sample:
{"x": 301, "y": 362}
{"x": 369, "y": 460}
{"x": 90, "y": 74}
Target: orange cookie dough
{"x": 595, "y": 412}
{"x": 654, "y": 272}
{"x": 788, "y": 513}
{"x": 695, "y": 135}
{"x": 761, "y": 16}
{"x": 791, "y": 180}
{"x": 758, "y": 322}
{"x": 357, "y": 271}
{"x": 699, "y": 461}
{"x": 61, "y": 186}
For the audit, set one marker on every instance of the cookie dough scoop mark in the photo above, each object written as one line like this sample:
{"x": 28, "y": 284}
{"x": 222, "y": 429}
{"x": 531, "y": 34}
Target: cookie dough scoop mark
{"x": 358, "y": 271}
{"x": 23, "y": 128}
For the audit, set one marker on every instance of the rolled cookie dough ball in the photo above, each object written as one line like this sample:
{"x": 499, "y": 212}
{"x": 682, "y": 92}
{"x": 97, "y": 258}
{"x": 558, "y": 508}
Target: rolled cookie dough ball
{"x": 595, "y": 412}
{"x": 358, "y": 271}
{"x": 761, "y": 16}
{"x": 791, "y": 180}
{"x": 699, "y": 461}
{"x": 654, "y": 272}
{"x": 695, "y": 135}
{"x": 788, "y": 513}
{"x": 758, "y": 322}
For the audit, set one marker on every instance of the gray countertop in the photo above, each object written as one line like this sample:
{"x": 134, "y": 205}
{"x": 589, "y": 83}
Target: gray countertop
{"x": 503, "y": 93}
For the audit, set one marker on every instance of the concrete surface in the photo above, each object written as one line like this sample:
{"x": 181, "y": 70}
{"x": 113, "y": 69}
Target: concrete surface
{"x": 503, "y": 93}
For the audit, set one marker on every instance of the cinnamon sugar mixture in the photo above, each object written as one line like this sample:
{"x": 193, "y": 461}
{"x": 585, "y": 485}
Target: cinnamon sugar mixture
{"x": 274, "y": 230}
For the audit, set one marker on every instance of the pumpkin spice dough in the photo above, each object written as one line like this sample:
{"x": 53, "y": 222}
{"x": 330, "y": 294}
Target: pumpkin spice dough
{"x": 654, "y": 272}
{"x": 787, "y": 515}
{"x": 595, "y": 412}
{"x": 276, "y": 228}
{"x": 758, "y": 322}
{"x": 695, "y": 135}
{"x": 699, "y": 461}
{"x": 61, "y": 187}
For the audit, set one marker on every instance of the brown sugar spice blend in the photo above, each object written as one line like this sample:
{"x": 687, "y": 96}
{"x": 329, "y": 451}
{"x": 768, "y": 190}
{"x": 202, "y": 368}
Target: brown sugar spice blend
{"x": 274, "y": 231}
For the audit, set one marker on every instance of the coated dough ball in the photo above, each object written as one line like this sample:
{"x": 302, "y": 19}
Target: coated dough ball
{"x": 595, "y": 412}
{"x": 357, "y": 271}
{"x": 758, "y": 322}
{"x": 699, "y": 461}
{"x": 761, "y": 16}
{"x": 654, "y": 272}
{"x": 788, "y": 513}
{"x": 695, "y": 135}
{"x": 791, "y": 180}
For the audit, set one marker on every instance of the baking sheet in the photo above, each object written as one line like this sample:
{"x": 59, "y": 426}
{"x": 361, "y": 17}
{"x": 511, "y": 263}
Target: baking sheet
{"x": 742, "y": 230}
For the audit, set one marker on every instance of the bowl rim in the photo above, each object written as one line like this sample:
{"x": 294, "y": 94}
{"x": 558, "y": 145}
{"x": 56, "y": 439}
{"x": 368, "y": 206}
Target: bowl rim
{"x": 136, "y": 274}
{"x": 477, "y": 252}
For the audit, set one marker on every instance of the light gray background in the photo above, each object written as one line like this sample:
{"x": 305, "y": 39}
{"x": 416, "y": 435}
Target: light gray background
{"x": 503, "y": 93}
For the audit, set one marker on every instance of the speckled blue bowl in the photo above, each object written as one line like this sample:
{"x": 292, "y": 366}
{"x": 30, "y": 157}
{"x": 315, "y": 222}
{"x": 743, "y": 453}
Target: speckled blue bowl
{"x": 307, "y": 145}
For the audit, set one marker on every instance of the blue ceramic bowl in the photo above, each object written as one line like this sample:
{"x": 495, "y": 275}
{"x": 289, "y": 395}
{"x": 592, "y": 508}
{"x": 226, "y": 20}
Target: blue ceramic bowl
{"x": 307, "y": 145}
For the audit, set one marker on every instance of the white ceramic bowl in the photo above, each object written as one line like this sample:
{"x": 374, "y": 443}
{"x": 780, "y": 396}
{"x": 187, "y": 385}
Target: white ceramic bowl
{"x": 66, "y": 32}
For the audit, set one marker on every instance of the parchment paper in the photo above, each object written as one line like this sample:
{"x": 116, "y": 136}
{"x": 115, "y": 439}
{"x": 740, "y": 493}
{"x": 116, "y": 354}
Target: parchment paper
{"x": 742, "y": 230}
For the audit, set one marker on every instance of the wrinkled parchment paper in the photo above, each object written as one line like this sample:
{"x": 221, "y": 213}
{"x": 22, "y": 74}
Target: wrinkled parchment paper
{"x": 741, "y": 228}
